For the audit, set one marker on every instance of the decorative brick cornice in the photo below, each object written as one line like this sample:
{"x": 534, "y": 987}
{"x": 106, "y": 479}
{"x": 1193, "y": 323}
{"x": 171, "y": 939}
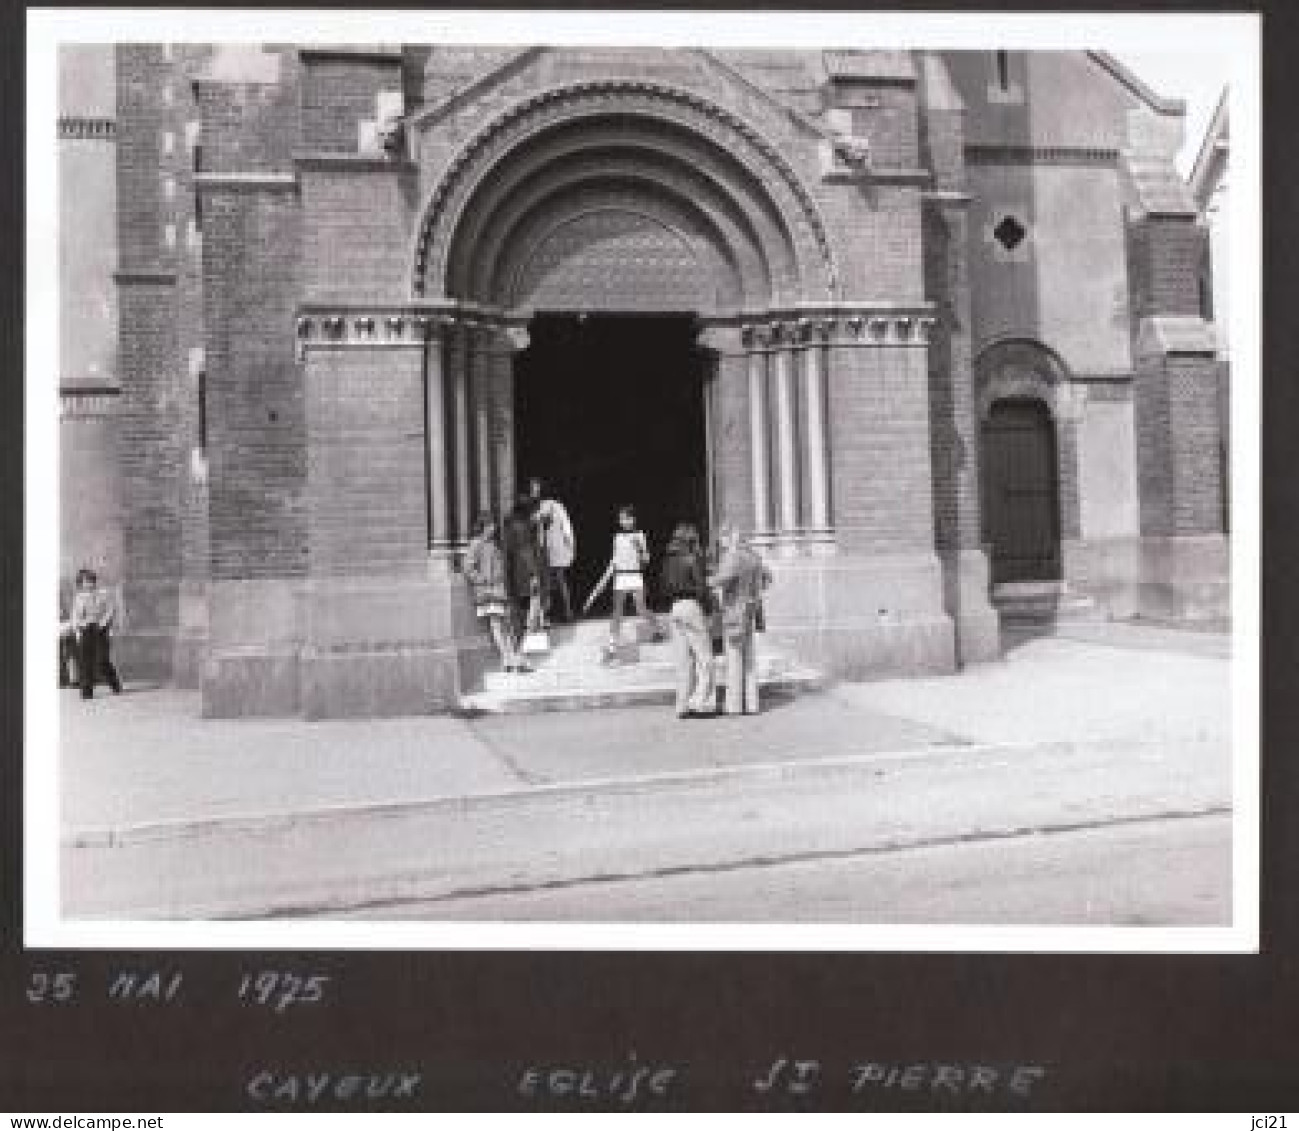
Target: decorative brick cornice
{"x": 76, "y": 401}
{"x": 880, "y": 176}
{"x": 873, "y": 324}
{"x": 73, "y": 127}
{"x": 352, "y": 163}
{"x": 1039, "y": 155}
{"x": 442, "y": 209}
{"x": 395, "y": 326}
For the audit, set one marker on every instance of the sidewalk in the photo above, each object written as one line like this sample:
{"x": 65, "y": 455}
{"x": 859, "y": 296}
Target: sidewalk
{"x": 145, "y": 761}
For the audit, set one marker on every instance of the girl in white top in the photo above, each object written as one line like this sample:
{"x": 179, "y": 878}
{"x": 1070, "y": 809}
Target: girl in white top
{"x": 627, "y": 569}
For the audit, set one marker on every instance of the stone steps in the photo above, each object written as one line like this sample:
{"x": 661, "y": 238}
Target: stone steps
{"x": 1032, "y": 603}
{"x": 576, "y": 675}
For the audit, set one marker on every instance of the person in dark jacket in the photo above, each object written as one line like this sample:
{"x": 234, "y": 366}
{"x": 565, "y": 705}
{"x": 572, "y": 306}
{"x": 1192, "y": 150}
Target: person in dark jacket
{"x": 523, "y": 563}
{"x": 684, "y": 580}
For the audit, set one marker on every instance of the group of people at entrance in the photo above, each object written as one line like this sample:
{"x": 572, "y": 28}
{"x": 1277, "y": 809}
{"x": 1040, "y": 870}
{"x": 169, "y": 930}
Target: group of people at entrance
{"x": 520, "y": 578}
{"x": 517, "y": 572}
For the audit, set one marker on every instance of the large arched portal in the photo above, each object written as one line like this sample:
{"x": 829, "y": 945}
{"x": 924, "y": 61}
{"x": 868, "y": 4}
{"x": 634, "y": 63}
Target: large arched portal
{"x": 596, "y": 251}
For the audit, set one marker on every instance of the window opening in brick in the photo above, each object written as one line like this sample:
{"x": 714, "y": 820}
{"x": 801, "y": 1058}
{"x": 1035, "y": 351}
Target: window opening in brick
{"x": 1009, "y": 232}
{"x": 202, "y": 412}
{"x": 1003, "y": 71}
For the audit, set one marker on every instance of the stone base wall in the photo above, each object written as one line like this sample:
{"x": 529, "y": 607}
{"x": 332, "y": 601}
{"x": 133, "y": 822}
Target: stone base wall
{"x": 1183, "y": 578}
{"x": 966, "y": 588}
{"x": 858, "y": 617}
{"x": 341, "y": 648}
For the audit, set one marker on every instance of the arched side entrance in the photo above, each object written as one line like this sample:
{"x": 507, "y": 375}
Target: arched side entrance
{"x": 1027, "y": 480}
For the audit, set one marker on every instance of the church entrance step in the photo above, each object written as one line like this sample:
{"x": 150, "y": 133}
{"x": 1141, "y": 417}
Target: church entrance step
{"x": 1038, "y": 603}
{"x": 580, "y": 672}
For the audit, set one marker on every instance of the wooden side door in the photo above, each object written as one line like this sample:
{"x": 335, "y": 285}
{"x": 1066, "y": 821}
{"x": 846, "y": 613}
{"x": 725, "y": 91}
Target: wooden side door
{"x": 1021, "y": 494}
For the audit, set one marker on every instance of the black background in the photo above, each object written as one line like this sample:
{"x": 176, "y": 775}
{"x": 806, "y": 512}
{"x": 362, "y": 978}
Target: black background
{"x": 1115, "y": 1031}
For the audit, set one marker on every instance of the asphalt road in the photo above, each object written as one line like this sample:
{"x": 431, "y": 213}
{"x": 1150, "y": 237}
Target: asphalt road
{"x": 1166, "y": 872}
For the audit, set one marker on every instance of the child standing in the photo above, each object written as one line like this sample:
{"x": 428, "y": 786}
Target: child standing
{"x": 627, "y": 570}
{"x": 94, "y": 613}
{"x": 485, "y": 572}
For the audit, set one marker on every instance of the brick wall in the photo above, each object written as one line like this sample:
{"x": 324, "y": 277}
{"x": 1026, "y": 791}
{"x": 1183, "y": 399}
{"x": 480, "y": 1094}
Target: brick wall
{"x": 1195, "y": 440}
{"x": 366, "y": 479}
{"x": 90, "y": 497}
{"x": 1176, "y": 246}
{"x": 149, "y": 446}
{"x": 358, "y": 220}
{"x": 1176, "y": 398}
{"x": 149, "y": 452}
{"x": 256, "y": 412}
{"x": 179, "y": 166}
{"x": 1180, "y": 469}
{"x": 879, "y": 427}
{"x": 1164, "y": 255}
{"x": 338, "y": 92}
{"x": 250, "y": 126}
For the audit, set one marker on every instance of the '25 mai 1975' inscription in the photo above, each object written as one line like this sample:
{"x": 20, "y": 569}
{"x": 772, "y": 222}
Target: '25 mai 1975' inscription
{"x": 275, "y": 990}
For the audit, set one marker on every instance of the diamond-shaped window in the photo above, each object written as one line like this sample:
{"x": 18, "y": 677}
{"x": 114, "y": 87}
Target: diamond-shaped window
{"x": 1010, "y": 232}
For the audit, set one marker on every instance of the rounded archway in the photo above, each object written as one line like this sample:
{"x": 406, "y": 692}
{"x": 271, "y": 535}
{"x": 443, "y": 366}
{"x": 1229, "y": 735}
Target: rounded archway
{"x": 617, "y": 195}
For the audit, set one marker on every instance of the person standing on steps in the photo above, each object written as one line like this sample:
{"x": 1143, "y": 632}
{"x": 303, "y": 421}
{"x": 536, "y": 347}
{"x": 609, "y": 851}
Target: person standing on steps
{"x": 685, "y": 585}
{"x": 485, "y": 571}
{"x": 626, "y": 569}
{"x": 523, "y": 565}
{"x": 740, "y": 579}
{"x": 560, "y": 545}
{"x": 94, "y": 612}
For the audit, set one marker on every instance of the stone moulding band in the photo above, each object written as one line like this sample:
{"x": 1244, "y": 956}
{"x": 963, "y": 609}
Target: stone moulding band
{"x": 412, "y": 326}
{"x": 142, "y": 277}
{"x": 874, "y": 325}
{"x": 77, "y": 128}
{"x": 405, "y": 326}
{"x": 1038, "y": 155}
{"x": 253, "y": 181}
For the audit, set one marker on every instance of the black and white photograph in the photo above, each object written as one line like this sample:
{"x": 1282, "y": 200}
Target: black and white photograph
{"x": 686, "y": 483}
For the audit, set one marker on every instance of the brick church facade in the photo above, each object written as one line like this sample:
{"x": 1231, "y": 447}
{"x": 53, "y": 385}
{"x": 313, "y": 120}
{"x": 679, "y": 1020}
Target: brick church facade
{"x": 926, "y": 324}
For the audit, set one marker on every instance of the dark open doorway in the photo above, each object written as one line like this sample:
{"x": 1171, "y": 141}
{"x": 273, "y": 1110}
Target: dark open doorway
{"x": 609, "y": 409}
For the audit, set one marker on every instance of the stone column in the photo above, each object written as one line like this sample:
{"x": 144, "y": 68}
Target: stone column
{"x": 816, "y": 451}
{"x": 481, "y": 398}
{"x": 435, "y": 440}
{"x": 730, "y": 461}
{"x": 758, "y": 432}
{"x": 782, "y": 380}
{"x": 510, "y": 342}
{"x": 462, "y": 462}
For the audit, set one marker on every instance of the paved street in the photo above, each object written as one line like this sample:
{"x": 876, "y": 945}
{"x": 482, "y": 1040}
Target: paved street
{"x": 1168, "y": 872}
{"x": 1077, "y": 781}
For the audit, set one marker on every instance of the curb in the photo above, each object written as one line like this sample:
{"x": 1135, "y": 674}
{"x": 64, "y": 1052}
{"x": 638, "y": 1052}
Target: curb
{"x": 845, "y": 764}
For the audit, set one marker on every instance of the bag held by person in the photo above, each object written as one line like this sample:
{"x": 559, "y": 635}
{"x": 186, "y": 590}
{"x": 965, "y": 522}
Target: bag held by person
{"x": 536, "y": 640}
